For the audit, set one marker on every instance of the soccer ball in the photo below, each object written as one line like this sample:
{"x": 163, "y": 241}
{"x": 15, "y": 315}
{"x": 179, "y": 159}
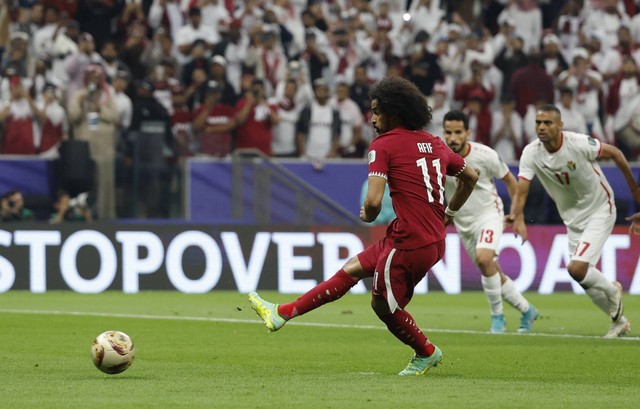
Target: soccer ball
{"x": 113, "y": 352}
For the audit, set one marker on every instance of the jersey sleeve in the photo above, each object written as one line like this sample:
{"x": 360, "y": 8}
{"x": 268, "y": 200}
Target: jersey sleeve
{"x": 526, "y": 170}
{"x": 456, "y": 163}
{"x": 378, "y": 158}
{"x": 592, "y": 148}
{"x": 499, "y": 169}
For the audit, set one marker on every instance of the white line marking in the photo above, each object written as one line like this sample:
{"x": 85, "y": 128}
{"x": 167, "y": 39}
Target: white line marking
{"x": 302, "y": 324}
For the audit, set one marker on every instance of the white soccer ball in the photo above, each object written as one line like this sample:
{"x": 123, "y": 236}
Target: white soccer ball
{"x": 113, "y": 352}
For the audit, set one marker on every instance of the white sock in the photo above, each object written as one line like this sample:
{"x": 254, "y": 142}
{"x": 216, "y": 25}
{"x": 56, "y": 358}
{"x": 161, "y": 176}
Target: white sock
{"x": 514, "y": 297}
{"x": 595, "y": 279}
{"x": 491, "y": 287}
{"x": 601, "y": 291}
{"x": 599, "y": 298}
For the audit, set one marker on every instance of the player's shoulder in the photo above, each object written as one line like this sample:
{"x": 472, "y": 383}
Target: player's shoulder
{"x": 481, "y": 149}
{"x": 577, "y": 138}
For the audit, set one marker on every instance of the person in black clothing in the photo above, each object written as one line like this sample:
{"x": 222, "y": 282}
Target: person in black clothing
{"x": 151, "y": 143}
{"x": 423, "y": 70}
{"x": 509, "y": 60}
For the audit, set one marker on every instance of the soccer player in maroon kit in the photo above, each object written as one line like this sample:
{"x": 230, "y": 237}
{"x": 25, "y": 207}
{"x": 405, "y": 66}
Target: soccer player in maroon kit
{"x": 415, "y": 164}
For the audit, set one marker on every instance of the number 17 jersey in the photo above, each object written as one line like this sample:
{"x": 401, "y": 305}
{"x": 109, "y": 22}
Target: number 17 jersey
{"x": 415, "y": 165}
{"x": 571, "y": 175}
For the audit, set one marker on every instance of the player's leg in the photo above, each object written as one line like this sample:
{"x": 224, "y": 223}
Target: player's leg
{"x": 481, "y": 242}
{"x": 392, "y": 290}
{"x": 586, "y": 249}
{"x": 355, "y": 269}
{"x": 515, "y": 298}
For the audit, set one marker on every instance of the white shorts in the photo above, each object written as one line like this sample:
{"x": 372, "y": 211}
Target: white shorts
{"x": 484, "y": 233}
{"x": 586, "y": 245}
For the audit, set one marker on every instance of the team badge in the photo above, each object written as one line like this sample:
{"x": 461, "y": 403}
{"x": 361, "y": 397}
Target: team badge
{"x": 571, "y": 165}
{"x": 372, "y": 157}
{"x": 592, "y": 141}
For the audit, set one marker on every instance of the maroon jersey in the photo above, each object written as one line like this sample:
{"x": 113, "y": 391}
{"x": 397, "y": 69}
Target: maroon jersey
{"x": 216, "y": 143}
{"x": 415, "y": 164}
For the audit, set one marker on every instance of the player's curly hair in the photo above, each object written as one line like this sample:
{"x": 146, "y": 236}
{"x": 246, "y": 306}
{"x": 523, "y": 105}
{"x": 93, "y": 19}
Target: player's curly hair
{"x": 400, "y": 98}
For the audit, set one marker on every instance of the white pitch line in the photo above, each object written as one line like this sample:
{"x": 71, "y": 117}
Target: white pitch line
{"x": 302, "y": 324}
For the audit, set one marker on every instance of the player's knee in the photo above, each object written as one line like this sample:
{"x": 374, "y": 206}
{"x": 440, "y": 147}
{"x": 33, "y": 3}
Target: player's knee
{"x": 379, "y": 306}
{"x": 484, "y": 260}
{"x": 577, "y": 270}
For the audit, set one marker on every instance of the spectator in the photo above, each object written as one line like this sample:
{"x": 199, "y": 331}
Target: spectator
{"x": 477, "y": 91}
{"x": 97, "y": 18}
{"x": 552, "y": 59}
{"x": 233, "y": 48}
{"x": 284, "y": 133}
{"x": 93, "y": 115}
{"x": 111, "y": 62}
{"x": 60, "y": 45}
{"x": 194, "y": 30}
{"x": 423, "y": 69}
{"x": 12, "y": 208}
{"x": 150, "y": 132}
{"x": 344, "y": 55}
{"x": 586, "y": 85}
{"x": 527, "y": 20}
{"x": 351, "y": 144}
{"x": 255, "y": 119}
{"x": 439, "y": 107}
{"x": 214, "y": 122}
{"x": 71, "y": 209}
{"x": 530, "y": 82}
{"x": 268, "y": 58}
{"x": 76, "y": 64}
{"x": 568, "y": 28}
{"x": 20, "y": 116}
{"x": 17, "y": 54}
{"x": 54, "y": 127}
{"x": 606, "y": 20}
{"x": 314, "y": 58}
{"x": 159, "y": 48}
{"x": 572, "y": 118}
{"x": 606, "y": 60}
{"x": 133, "y": 49}
{"x": 318, "y": 129}
{"x": 359, "y": 91}
{"x": 198, "y": 61}
{"x": 624, "y": 108}
{"x": 181, "y": 119}
{"x": 506, "y": 131}
{"x": 166, "y": 14}
{"x": 509, "y": 60}
{"x": 218, "y": 72}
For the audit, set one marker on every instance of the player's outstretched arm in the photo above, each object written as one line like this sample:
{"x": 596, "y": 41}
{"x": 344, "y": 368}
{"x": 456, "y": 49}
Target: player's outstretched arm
{"x": 635, "y": 224}
{"x": 516, "y": 216}
{"x": 373, "y": 200}
{"x": 466, "y": 182}
{"x": 613, "y": 153}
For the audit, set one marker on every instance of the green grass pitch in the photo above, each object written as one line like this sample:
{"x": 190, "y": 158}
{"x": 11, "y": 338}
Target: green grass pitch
{"x": 210, "y": 351}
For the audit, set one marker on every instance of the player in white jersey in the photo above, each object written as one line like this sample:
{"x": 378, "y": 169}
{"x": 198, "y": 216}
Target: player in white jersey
{"x": 481, "y": 220}
{"x": 565, "y": 163}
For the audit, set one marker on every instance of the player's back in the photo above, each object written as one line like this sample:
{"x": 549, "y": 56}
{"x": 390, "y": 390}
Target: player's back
{"x": 415, "y": 164}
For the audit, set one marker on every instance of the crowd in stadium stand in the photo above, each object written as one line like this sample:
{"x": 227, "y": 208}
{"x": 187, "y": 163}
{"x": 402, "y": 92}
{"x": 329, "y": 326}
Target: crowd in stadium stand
{"x": 290, "y": 77}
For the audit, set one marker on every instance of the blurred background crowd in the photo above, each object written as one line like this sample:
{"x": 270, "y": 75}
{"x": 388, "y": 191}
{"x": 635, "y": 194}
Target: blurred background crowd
{"x": 149, "y": 83}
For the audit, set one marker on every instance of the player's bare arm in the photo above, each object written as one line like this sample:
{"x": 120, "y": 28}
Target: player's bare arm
{"x": 511, "y": 183}
{"x": 613, "y": 153}
{"x": 373, "y": 200}
{"x": 516, "y": 216}
{"x": 466, "y": 182}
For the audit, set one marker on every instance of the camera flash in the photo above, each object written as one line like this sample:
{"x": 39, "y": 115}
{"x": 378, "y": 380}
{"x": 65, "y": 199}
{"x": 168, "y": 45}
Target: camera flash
{"x": 406, "y": 16}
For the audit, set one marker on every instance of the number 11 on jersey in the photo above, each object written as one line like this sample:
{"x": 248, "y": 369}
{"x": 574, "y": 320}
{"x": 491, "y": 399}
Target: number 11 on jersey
{"x": 422, "y": 164}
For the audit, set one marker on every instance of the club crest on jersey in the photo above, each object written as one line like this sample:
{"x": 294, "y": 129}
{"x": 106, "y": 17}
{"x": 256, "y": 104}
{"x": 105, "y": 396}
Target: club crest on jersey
{"x": 372, "y": 156}
{"x": 592, "y": 141}
{"x": 571, "y": 165}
